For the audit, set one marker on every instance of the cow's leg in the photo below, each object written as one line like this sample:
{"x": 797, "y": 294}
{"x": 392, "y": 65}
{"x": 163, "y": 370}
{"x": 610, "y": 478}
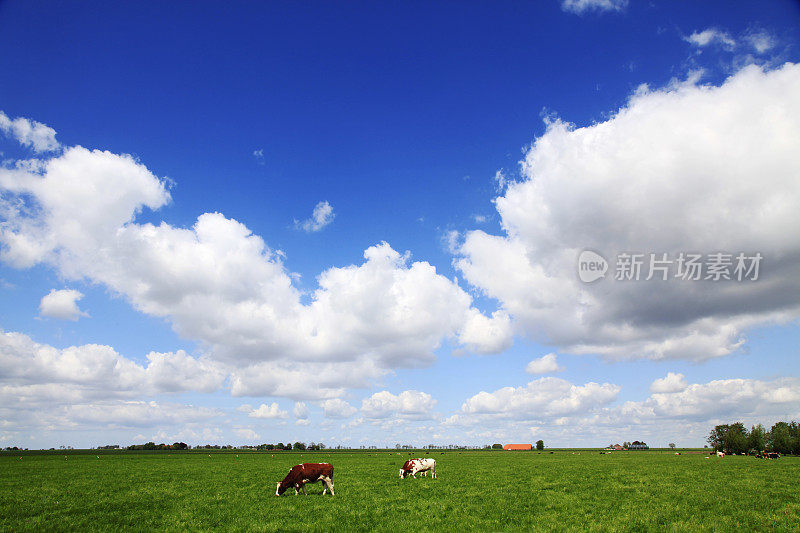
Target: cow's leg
{"x": 328, "y": 485}
{"x": 433, "y": 472}
{"x": 303, "y": 486}
{"x": 295, "y": 491}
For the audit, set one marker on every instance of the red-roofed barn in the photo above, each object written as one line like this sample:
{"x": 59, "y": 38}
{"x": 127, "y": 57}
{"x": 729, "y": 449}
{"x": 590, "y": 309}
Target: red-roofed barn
{"x": 514, "y": 447}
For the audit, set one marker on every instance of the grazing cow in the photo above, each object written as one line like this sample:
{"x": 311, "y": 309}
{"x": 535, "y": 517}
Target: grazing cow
{"x": 414, "y": 466}
{"x": 772, "y": 455}
{"x": 720, "y": 454}
{"x": 299, "y": 475}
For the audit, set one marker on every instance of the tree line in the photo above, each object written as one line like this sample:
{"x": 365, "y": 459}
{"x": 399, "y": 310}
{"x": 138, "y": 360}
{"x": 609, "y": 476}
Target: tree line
{"x": 154, "y": 446}
{"x": 783, "y": 437}
{"x": 301, "y": 446}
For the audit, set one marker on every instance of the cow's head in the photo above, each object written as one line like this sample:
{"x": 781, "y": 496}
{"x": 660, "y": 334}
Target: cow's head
{"x": 281, "y": 488}
{"x": 404, "y": 473}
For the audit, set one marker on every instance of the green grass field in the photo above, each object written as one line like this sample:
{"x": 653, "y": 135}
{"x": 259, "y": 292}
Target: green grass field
{"x": 480, "y": 491}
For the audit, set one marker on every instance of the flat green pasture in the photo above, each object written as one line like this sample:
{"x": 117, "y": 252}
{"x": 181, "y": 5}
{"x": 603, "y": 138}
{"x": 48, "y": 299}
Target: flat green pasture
{"x": 475, "y": 491}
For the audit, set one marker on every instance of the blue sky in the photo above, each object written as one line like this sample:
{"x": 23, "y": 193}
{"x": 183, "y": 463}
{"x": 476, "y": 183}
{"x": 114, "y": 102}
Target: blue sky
{"x": 162, "y": 167}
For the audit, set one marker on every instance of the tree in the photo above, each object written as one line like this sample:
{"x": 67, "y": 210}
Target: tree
{"x": 672, "y": 445}
{"x": 300, "y": 446}
{"x": 757, "y": 440}
{"x": 540, "y": 445}
{"x": 716, "y": 439}
{"x": 780, "y": 438}
{"x": 794, "y": 437}
{"x": 626, "y": 444}
{"x": 729, "y": 438}
{"x": 736, "y": 439}
{"x": 279, "y": 446}
{"x": 497, "y": 446}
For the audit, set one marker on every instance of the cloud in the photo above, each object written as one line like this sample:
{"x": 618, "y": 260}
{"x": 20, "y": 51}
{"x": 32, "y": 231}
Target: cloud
{"x": 103, "y": 415}
{"x": 719, "y": 399}
{"x": 259, "y": 156}
{"x": 62, "y": 304}
{"x": 674, "y": 170}
{"x": 137, "y": 413}
{"x": 300, "y": 410}
{"x": 337, "y": 408}
{"x": 219, "y": 284}
{"x": 246, "y": 434}
{"x": 582, "y": 6}
{"x": 542, "y": 398}
{"x": 268, "y": 411}
{"x": 322, "y": 216}
{"x": 671, "y": 383}
{"x": 544, "y": 365}
{"x": 408, "y": 404}
{"x": 501, "y": 181}
{"x": 761, "y": 41}
{"x": 480, "y": 219}
{"x": 711, "y": 36}
{"x": 29, "y": 133}
{"x": 42, "y": 373}
{"x": 63, "y": 230}
{"x": 178, "y": 371}
{"x": 572, "y": 415}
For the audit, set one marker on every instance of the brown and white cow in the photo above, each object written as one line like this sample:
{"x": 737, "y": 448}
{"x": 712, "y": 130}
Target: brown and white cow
{"x": 414, "y": 466}
{"x": 299, "y": 475}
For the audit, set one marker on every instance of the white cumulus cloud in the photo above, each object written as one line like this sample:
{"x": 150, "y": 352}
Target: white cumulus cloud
{"x": 689, "y": 167}
{"x": 272, "y": 410}
{"x": 246, "y": 434}
{"x": 300, "y": 410}
{"x": 62, "y": 304}
{"x": 407, "y": 404}
{"x": 670, "y": 383}
{"x": 546, "y": 364}
{"x": 219, "y": 284}
{"x": 337, "y": 408}
{"x": 542, "y": 398}
{"x": 40, "y": 372}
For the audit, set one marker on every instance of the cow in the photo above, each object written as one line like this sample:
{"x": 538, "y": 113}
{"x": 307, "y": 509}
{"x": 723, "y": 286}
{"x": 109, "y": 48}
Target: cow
{"x": 414, "y": 466}
{"x": 299, "y": 475}
{"x": 720, "y": 454}
{"x": 772, "y": 455}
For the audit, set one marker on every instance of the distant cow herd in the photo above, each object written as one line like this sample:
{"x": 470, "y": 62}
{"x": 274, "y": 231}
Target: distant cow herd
{"x": 304, "y": 473}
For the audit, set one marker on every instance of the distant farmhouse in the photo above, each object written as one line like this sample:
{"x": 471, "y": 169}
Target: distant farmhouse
{"x": 515, "y": 447}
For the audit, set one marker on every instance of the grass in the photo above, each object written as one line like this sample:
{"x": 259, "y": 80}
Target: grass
{"x": 477, "y": 491}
